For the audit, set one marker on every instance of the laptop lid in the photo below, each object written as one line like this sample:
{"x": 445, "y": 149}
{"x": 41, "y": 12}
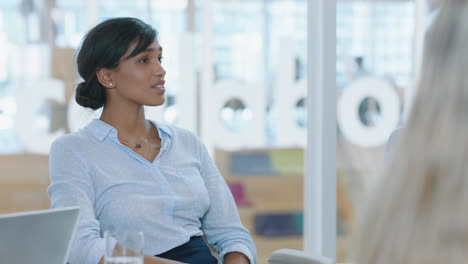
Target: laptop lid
{"x": 37, "y": 236}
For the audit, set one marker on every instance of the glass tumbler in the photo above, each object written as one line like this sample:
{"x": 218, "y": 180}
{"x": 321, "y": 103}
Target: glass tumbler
{"x": 129, "y": 248}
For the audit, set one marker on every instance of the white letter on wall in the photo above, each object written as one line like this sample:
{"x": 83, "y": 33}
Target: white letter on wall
{"x": 251, "y": 131}
{"x": 33, "y": 98}
{"x": 348, "y": 112}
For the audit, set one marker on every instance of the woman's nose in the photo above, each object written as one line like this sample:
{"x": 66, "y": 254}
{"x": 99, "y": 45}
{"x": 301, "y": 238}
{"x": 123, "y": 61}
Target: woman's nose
{"x": 159, "y": 70}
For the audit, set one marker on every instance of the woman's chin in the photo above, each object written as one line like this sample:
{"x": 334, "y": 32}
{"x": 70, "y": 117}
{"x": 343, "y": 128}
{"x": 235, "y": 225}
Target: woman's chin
{"x": 156, "y": 103}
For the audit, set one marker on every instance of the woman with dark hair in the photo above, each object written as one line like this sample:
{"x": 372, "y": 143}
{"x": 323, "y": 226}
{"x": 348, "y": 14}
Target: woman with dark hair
{"x": 130, "y": 174}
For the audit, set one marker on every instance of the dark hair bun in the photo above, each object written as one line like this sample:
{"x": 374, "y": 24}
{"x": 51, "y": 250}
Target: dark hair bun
{"x": 89, "y": 96}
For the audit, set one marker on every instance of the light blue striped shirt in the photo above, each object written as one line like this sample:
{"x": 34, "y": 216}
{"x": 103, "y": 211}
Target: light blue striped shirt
{"x": 171, "y": 199}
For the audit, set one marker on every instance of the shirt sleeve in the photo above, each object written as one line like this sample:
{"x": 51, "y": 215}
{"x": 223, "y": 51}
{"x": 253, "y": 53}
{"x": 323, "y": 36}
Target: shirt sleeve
{"x": 221, "y": 223}
{"x": 71, "y": 185}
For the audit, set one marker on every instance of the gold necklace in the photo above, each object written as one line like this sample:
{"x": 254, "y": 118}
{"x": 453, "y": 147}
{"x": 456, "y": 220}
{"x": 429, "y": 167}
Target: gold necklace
{"x": 139, "y": 145}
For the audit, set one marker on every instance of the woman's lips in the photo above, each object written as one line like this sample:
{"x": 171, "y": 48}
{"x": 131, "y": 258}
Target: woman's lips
{"x": 159, "y": 87}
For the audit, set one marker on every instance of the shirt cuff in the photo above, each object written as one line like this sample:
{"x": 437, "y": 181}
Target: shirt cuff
{"x": 238, "y": 248}
{"x": 98, "y": 250}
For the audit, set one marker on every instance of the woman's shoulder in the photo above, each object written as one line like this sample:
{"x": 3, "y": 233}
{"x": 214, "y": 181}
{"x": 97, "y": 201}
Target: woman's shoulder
{"x": 183, "y": 132}
{"x": 181, "y": 137}
{"x": 75, "y": 139}
{"x": 175, "y": 131}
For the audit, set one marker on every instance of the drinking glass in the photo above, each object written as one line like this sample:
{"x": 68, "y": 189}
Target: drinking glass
{"x": 130, "y": 250}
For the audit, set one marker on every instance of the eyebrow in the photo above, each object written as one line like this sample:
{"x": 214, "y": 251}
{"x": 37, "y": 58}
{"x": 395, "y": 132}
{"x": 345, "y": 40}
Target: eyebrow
{"x": 145, "y": 50}
{"x": 151, "y": 49}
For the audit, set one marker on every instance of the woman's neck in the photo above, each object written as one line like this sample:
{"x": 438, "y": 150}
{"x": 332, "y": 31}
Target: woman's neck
{"x": 127, "y": 122}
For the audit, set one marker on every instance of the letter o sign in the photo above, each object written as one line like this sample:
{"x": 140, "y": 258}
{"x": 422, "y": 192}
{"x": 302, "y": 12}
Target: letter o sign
{"x": 349, "y": 121}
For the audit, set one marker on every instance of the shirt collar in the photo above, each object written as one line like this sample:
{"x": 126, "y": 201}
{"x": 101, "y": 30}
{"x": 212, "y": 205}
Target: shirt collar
{"x": 101, "y": 129}
{"x": 162, "y": 128}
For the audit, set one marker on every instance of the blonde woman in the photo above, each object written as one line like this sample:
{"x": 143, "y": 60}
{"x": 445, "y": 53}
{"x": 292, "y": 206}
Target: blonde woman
{"x": 419, "y": 214}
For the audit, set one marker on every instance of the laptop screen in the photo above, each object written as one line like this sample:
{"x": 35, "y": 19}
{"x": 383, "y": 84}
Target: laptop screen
{"x": 37, "y": 236}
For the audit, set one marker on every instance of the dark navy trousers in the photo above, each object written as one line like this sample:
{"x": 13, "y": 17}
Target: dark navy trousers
{"x": 194, "y": 252}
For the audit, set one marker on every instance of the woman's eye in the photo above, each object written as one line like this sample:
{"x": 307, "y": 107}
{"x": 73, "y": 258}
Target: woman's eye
{"x": 143, "y": 60}
{"x": 160, "y": 58}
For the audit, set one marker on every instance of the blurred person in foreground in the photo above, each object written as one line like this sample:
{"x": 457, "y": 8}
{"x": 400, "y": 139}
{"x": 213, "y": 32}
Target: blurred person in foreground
{"x": 130, "y": 174}
{"x": 419, "y": 213}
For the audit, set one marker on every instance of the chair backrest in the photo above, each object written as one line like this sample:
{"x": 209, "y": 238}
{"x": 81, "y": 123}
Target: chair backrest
{"x": 291, "y": 256}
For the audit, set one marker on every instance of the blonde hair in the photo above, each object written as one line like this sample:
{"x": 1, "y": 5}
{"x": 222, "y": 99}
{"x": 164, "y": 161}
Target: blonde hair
{"x": 419, "y": 212}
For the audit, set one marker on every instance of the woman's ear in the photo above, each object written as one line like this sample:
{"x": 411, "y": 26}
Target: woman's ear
{"x": 104, "y": 76}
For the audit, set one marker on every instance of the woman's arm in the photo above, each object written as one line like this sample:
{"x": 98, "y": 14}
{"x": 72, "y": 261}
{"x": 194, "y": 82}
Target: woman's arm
{"x": 71, "y": 185}
{"x": 221, "y": 223}
{"x": 235, "y": 258}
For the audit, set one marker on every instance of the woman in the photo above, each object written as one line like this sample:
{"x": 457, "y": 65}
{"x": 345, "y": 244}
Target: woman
{"x": 132, "y": 174}
{"x": 419, "y": 213}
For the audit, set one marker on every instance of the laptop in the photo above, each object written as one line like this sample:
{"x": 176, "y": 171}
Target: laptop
{"x": 37, "y": 236}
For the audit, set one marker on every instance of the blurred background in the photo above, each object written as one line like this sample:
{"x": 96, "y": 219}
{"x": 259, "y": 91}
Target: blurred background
{"x": 237, "y": 77}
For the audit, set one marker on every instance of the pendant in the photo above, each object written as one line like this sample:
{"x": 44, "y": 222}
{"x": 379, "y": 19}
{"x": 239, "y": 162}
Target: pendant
{"x": 138, "y": 146}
